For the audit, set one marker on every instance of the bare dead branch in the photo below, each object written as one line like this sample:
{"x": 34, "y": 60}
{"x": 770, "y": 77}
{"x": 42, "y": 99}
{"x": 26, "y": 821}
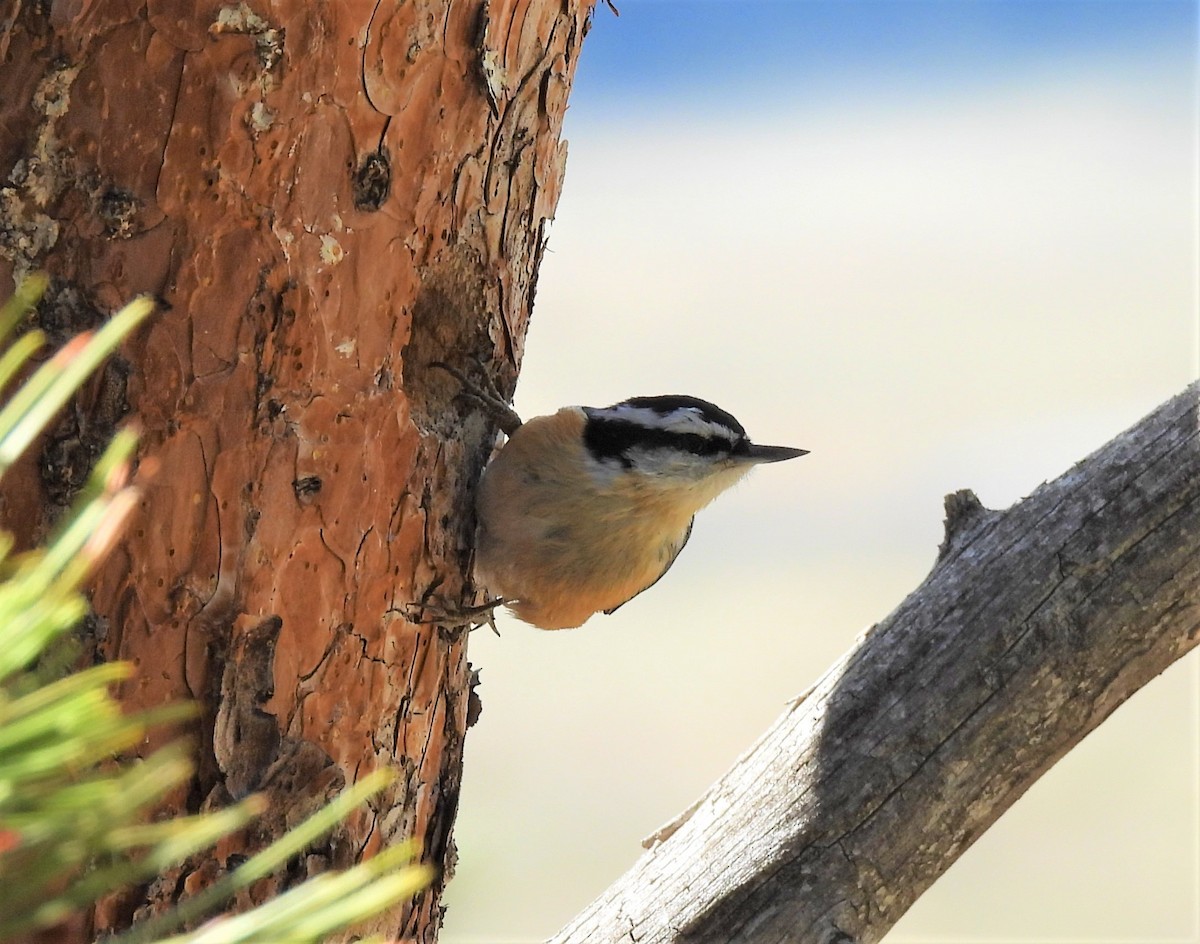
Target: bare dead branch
{"x": 1033, "y": 626}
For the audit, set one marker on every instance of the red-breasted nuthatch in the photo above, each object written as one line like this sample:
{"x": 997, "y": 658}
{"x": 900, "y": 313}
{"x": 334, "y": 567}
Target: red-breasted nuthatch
{"x": 582, "y": 510}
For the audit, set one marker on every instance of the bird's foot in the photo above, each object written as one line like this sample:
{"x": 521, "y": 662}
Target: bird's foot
{"x": 440, "y": 613}
{"x": 485, "y": 393}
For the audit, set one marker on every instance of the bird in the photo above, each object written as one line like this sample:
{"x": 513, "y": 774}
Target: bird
{"x": 583, "y": 509}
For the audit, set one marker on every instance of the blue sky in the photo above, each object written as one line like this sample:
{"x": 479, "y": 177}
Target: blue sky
{"x": 692, "y": 51}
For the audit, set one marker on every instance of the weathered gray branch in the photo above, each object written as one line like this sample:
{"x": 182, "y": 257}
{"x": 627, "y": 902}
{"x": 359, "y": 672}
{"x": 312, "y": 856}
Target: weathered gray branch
{"x": 1033, "y": 626}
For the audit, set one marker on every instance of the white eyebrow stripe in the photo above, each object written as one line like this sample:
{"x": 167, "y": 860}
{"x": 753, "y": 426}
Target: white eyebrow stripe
{"x": 682, "y": 421}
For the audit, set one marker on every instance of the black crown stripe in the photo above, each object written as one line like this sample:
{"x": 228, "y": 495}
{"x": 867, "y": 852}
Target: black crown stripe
{"x": 613, "y": 438}
{"x": 672, "y": 403}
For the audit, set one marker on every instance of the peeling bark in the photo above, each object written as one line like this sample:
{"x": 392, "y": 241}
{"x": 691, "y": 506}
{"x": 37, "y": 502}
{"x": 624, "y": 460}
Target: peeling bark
{"x": 1035, "y": 624}
{"x": 327, "y": 197}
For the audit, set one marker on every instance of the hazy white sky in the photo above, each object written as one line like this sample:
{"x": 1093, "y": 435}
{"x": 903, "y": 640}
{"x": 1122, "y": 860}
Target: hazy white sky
{"x": 941, "y": 245}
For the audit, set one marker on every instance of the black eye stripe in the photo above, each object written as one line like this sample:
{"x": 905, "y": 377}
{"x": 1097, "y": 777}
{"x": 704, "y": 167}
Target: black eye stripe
{"x": 668, "y": 424}
{"x": 615, "y": 439}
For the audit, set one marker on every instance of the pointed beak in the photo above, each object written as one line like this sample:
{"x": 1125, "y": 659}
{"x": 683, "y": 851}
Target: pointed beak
{"x": 773, "y": 453}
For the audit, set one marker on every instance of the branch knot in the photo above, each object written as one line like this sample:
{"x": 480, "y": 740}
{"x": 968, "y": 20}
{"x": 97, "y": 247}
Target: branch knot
{"x": 965, "y": 517}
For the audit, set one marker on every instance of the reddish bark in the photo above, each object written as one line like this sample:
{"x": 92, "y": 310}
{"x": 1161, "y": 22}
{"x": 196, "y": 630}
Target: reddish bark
{"x": 328, "y": 197}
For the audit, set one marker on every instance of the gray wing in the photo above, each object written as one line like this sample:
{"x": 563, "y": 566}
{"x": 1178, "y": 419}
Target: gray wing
{"x": 674, "y": 556}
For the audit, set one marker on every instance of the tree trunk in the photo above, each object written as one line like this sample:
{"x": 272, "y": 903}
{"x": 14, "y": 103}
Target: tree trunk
{"x": 328, "y": 197}
{"x": 1033, "y": 627}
